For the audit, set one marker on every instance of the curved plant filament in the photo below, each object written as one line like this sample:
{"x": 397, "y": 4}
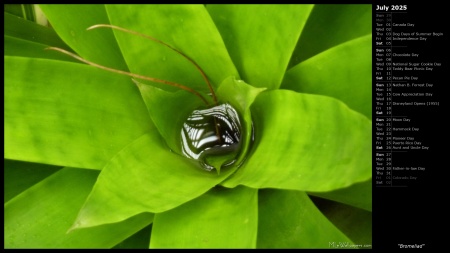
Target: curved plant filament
{"x": 137, "y": 76}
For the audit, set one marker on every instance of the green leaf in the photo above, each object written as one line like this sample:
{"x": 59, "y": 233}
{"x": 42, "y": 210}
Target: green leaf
{"x": 241, "y": 96}
{"x": 19, "y": 176}
{"x": 289, "y": 219}
{"x": 169, "y": 111}
{"x": 14, "y": 9}
{"x": 71, "y": 22}
{"x": 19, "y": 47}
{"x": 191, "y": 31}
{"x": 24, "y": 38}
{"x": 144, "y": 177}
{"x": 260, "y": 38}
{"x": 343, "y": 72}
{"x": 27, "y": 30}
{"x": 357, "y": 195}
{"x": 25, "y": 11}
{"x": 140, "y": 240}
{"x": 354, "y": 222}
{"x": 69, "y": 114}
{"x": 220, "y": 218}
{"x": 41, "y": 216}
{"x": 330, "y": 25}
{"x": 306, "y": 142}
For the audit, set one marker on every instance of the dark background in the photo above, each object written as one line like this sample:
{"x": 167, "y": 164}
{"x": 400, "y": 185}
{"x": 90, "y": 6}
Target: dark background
{"x": 415, "y": 214}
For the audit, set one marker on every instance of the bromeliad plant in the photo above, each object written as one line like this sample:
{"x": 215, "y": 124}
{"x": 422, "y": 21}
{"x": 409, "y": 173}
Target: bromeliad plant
{"x": 97, "y": 159}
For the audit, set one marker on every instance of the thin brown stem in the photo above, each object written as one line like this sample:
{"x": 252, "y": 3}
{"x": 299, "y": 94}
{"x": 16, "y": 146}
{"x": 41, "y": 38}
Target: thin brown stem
{"x": 152, "y": 79}
{"x": 167, "y": 45}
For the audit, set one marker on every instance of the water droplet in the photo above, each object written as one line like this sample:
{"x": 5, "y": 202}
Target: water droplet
{"x": 164, "y": 58}
{"x": 72, "y": 33}
{"x": 212, "y": 132}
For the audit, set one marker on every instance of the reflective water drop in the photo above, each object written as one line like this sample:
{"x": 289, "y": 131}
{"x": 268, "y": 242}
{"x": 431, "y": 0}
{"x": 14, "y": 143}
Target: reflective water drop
{"x": 210, "y": 133}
